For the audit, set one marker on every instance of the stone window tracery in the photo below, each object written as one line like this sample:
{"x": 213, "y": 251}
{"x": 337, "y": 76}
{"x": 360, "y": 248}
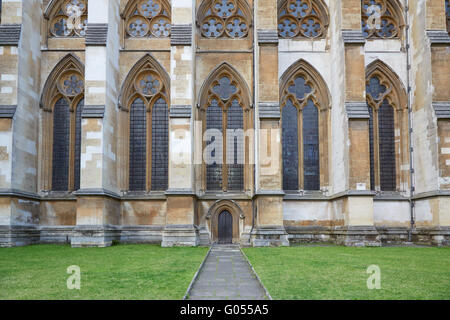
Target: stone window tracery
{"x": 304, "y": 114}
{"x": 147, "y": 18}
{"x": 144, "y": 98}
{"x": 63, "y": 102}
{"x": 68, "y": 18}
{"x": 385, "y": 100}
{"x": 226, "y": 114}
{"x": 224, "y": 18}
{"x": 302, "y": 19}
{"x": 381, "y": 19}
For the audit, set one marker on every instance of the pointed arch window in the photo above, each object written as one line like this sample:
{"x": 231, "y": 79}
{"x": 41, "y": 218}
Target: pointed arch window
{"x": 144, "y": 97}
{"x": 63, "y": 101}
{"x": 387, "y": 129}
{"x": 224, "y": 18}
{"x": 302, "y": 19}
{"x": 304, "y": 113}
{"x": 68, "y": 18}
{"x": 147, "y": 19}
{"x": 381, "y": 19}
{"x": 226, "y": 114}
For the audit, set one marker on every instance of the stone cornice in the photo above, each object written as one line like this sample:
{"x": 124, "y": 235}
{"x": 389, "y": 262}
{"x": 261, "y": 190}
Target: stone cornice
{"x": 180, "y": 111}
{"x": 181, "y": 35}
{"x": 96, "y": 34}
{"x": 357, "y": 110}
{"x": 93, "y": 112}
{"x": 267, "y": 36}
{"x": 7, "y": 111}
{"x": 269, "y": 110}
{"x": 353, "y": 37}
{"x": 10, "y": 34}
{"x": 438, "y": 37}
{"x": 442, "y": 109}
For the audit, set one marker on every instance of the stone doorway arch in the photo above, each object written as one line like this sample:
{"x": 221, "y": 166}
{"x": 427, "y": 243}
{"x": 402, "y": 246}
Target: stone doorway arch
{"x": 236, "y": 215}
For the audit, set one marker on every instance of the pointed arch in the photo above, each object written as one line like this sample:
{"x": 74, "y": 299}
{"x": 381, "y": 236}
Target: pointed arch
{"x": 62, "y": 102}
{"x": 129, "y": 92}
{"x": 58, "y": 14}
{"x": 382, "y": 19}
{"x": 226, "y": 18}
{"x": 140, "y": 20}
{"x": 388, "y": 127}
{"x": 144, "y": 101}
{"x": 303, "y": 19}
{"x": 305, "y": 102}
{"x": 225, "y": 109}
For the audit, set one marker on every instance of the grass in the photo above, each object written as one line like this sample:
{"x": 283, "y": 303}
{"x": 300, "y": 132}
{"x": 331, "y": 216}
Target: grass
{"x": 117, "y": 272}
{"x": 340, "y": 272}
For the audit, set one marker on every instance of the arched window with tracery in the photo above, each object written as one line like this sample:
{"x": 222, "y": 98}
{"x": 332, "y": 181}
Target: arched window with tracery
{"x": 147, "y": 19}
{"x": 302, "y": 19}
{"x": 67, "y": 18}
{"x": 224, "y": 19}
{"x": 386, "y": 103}
{"x": 63, "y": 101}
{"x": 144, "y": 99}
{"x": 381, "y": 19}
{"x": 226, "y": 115}
{"x": 304, "y": 113}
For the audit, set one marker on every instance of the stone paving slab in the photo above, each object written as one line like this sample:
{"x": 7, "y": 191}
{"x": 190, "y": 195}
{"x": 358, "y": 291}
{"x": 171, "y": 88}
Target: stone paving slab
{"x": 226, "y": 275}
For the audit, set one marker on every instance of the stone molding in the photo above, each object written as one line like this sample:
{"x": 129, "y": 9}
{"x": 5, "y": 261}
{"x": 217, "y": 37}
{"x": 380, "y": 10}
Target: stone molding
{"x": 438, "y": 37}
{"x": 181, "y": 35}
{"x": 442, "y": 109}
{"x": 269, "y": 110}
{"x": 96, "y": 34}
{"x": 353, "y": 37}
{"x": 357, "y": 110}
{"x": 180, "y": 111}
{"x": 93, "y": 112}
{"x": 10, "y": 34}
{"x": 267, "y": 36}
{"x": 7, "y": 111}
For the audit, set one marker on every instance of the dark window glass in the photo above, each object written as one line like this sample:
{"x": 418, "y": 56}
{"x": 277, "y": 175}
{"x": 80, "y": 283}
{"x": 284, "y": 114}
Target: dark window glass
{"x": 78, "y": 144}
{"x": 61, "y": 146}
{"x": 214, "y": 170}
{"x": 387, "y": 146}
{"x": 447, "y": 13}
{"x": 235, "y": 148}
{"x": 160, "y": 145}
{"x": 311, "y": 147}
{"x": 290, "y": 146}
{"x": 372, "y": 152}
{"x": 138, "y": 146}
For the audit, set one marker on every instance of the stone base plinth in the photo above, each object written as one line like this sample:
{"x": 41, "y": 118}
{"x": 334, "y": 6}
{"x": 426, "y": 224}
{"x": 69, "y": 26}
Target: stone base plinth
{"x": 180, "y": 235}
{"x": 56, "y": 234}
{"x": 94, "y": 236}
{"x": 269, "y": 236}
{"x": 14, "y": 236}
{"x": 357, "y": 236}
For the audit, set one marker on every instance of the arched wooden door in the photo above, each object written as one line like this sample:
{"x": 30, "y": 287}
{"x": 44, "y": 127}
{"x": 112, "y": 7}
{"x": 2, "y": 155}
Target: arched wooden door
{"x": 225, "y": 227}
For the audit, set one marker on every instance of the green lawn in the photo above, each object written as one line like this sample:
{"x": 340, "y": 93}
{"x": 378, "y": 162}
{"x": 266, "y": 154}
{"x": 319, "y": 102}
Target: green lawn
{"x": 117, "y": 272}
{"x": 312, "y": 272}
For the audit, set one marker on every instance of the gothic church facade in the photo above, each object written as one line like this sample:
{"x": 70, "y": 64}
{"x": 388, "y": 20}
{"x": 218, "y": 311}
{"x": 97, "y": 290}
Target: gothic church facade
{"x": 258, "y": 122}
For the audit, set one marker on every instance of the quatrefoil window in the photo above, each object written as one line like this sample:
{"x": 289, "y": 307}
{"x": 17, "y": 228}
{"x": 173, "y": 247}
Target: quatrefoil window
{"x": 223, "y": 18}
{"x": 375, "y": 89}
{"x": 302, "y": 18}
{"x": 69, "y": 19}
{"x": 148, "y": 18}
{"x": 224, "y": 89}
{"x": 300, "y": 88}
{"x": 380, "y": 19}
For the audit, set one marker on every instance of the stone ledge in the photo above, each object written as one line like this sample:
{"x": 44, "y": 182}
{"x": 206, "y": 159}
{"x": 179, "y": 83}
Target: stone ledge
{"x": 269, "y": 110}
{"x": 181, "y": 35}
{"x": 442, "y": 109}
{"x": 10, "y": 34}
{"x": 438, "y": 37}
{"x": 267, "y": 36}
{"x": 97, "y": 192}
{"x": 96, "y": 34}
{"x": 180, "y": 111}
{"x": 93, "y": 112}
{"x": 7, "y": 111}
{"x": 353, "y": 37}
{"x": 357, "y": 110}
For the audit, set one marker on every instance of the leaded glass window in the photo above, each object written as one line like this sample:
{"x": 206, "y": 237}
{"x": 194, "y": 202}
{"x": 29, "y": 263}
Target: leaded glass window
{"x": 148, "y": 19}
{"x": 69, "y": 19}
{"x": 302, "y": 19}
{"x": 380, "y": 19}
{"x": 160, "y": 145}
{"x": 138, "y": 145}
{"x": 381, "y": 135}
{"x": 61, "y": 145}
{"x": 78, "y": 144}
{"x": 214, "y": 168}
{"x": 311, "y": 147}
{"x": 224, "y": 18}
{"x": 290, "y": 146}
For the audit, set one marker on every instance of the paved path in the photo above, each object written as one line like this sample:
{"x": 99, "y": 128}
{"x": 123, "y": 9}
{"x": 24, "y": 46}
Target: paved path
{"x": 226, "y": 275}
